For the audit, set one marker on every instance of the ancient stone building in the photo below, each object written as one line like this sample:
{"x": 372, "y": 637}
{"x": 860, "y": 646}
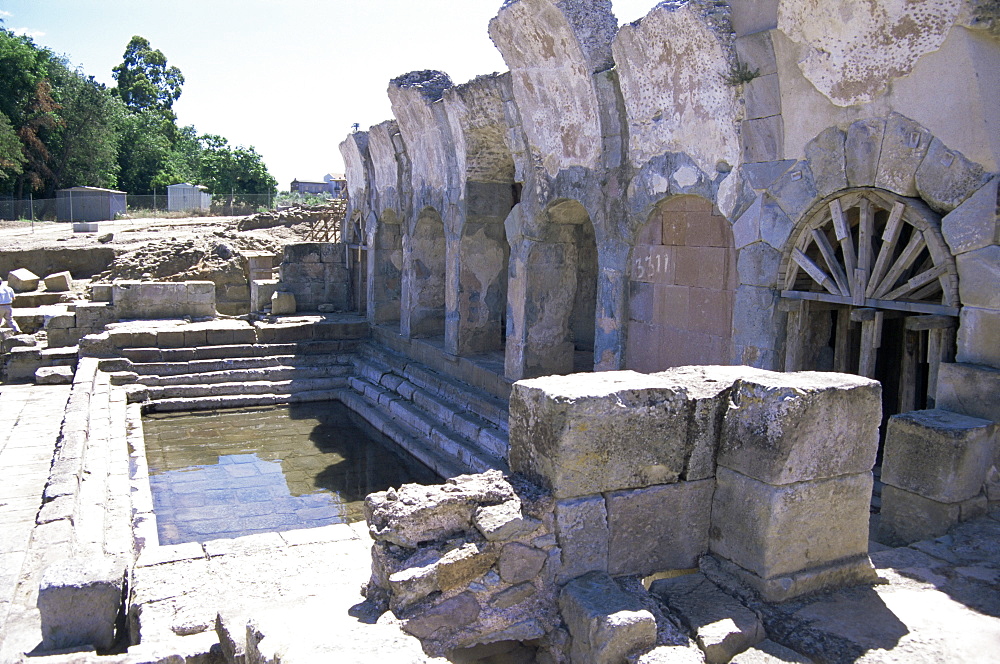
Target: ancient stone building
{"x": 777, "y": 183}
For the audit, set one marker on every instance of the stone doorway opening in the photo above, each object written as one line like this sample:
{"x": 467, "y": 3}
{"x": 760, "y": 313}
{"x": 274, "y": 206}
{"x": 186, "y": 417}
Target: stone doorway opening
{"x": 871, "y": 288}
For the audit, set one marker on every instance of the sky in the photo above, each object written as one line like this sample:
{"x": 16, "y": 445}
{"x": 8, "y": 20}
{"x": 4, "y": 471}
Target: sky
{"x": 288, "y": 77}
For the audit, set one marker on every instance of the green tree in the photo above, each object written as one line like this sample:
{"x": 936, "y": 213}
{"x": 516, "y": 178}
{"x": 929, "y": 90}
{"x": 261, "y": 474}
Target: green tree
{"x": 226, "y": 170}
{"x": 145, "y": 82}
{"x": 11, "y": 154}
{"x": 84, "y": 150}
{"x": 144, "y": 151}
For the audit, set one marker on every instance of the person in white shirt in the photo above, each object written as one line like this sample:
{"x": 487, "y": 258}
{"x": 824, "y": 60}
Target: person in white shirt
{"x": 6, "y": 307}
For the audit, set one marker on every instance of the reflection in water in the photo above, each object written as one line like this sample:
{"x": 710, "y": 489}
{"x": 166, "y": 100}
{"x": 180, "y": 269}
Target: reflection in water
{"x": 227, "y": 473}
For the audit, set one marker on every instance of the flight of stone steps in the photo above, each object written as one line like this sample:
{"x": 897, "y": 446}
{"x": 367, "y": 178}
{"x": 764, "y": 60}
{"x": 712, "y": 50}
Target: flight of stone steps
{"x": 450, "y": 426}
{"x": 220, "y": 365}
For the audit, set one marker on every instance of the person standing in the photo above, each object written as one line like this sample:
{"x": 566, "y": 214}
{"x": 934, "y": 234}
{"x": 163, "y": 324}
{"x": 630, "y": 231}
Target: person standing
{"x": 7, "y": 308}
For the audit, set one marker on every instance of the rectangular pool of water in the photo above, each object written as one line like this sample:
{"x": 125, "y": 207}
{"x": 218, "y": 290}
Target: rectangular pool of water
{"x": 227, "y": 473}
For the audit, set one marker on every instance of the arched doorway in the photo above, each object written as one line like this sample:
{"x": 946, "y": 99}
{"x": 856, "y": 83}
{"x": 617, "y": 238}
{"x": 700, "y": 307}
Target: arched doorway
{"x": 385, "y": 265}
{"x": 682, "y": 277}
{"x": 871, "y": 288}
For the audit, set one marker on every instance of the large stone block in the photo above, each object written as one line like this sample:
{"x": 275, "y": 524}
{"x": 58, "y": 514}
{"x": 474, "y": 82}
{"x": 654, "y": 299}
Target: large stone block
{"x": 606, "y": 623}
{"x": 969, "y": 389}
{"x": 938, "y": 454}
{"x": 825, "y": 155}
{"x": 907, "y": 517}
{"x": 22, "y": 280}
{"x": 946, "y": 178}
{"x": 282, "y": 303}
{"x": 778, "y": 531}
{"x": 78, "y": 601}
{"x": 659, "y": 528}
{"x": 975, "y": 223}
{"x": 861, "y": 151}
{"x": 60, "y": 281}
{"x": 792, "y": 427}
{"x": 582, "y": 534}
{"x": 979, "y": 274}
{"x": 904, "y": 145}
{"x": 979, "y": 337}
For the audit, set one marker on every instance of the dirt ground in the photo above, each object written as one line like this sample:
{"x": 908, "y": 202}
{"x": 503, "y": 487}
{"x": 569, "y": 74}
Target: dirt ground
{"x": 165, "y": 248}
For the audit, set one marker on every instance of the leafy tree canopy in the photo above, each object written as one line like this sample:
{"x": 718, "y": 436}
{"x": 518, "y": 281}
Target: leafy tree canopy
{"x": 144, "y": 80}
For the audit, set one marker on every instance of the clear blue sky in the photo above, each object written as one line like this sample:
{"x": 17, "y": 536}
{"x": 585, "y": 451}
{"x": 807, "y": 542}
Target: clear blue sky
{"x": 288, "y": 77}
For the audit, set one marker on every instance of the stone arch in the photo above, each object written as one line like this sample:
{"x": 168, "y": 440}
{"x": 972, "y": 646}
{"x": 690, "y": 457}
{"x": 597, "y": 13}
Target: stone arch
{"x": 385, "y": 266}
{"x": 872, "y": 289}
{"x": 552, "y": 327}
{"x": 423, "y": 282}
{"x": 682, "y": 280}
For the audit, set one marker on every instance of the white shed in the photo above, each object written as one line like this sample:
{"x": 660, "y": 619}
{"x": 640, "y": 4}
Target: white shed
{"x": 186, "y": 196}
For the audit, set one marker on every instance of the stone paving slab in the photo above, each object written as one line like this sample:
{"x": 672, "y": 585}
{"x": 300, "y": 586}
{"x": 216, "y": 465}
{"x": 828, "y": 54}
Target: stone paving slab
{"x": 30, "y": 417}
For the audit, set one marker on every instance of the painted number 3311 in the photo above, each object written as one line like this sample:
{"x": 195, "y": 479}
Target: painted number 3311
{"x": 650, "y": 266}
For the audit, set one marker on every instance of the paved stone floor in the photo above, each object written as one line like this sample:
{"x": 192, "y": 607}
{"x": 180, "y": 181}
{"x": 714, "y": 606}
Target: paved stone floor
{"x": 30, "y": 416}
{"x": 939, "y": 600}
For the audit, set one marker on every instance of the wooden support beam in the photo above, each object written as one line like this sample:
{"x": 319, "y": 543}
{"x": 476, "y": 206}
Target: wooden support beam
{"x": 830, "y": 258}
{"x": 871, "y": 340}
{"x": 909, "y": 365}
{"x": 889, "y": 239}
{"x": 842, "y": 342}
{"x": 797, "y": 333}
{"x": 930, "y": 322}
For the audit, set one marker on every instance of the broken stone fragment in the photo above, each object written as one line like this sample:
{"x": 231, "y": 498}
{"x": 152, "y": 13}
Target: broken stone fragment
{"x": 54, "y": 375}
{"x": 452, "y": 613}
{"x": 519, "y": 562}
{"x": 606, "y": 623}
{"x": 504, "y": 521}
{"x": 430, "y": 513}
{"x": 282, "y": 303}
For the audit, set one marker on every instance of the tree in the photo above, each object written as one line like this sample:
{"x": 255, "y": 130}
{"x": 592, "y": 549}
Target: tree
{"x": 144, "y": 80}
{"x": 225, "y": 170}
{"x": 11, "y": 154}
{"x": 40, "y": 119}
{"x": 85, "y": 149}
{"x": 145, "y": 150}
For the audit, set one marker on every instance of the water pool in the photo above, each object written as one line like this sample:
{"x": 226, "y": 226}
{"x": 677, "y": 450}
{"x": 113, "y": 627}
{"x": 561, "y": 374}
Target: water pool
{"x": 228, "y": 473}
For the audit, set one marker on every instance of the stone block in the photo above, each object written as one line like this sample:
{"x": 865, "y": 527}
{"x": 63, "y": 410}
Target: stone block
{"x": 946, "y": 178}
{"x": 756, "y": 50}
{"x": 763, "y": 139}
{"x": 777, "y": 531}
{"x": 746, "y": 229}
{"x": 969, "y": 389}
{"x": 758, "y": 265}
{"x": 583, "y": 536}
{"x": 861, "y": 151}
{"x": 763, "y": 96}
{"x": 261, "y": 291}
{"x": 794, "y": 192}
{"x": 22, "y": 280}
{"x": 282, "y": 303}
{"x": 978, "y": 276}
{"x": 519, "y": 563}
{"x": 450, "y": 614}
{"x": 979, "y": 337}
{"x": 78, "y": 601}
{"x": 938, "y": 454}
{"x": 659, "y": 528}
{"x": 904, "y": 146}
{"x": 170, "y": 338}
{"x": 61, "y": 322}
{"x": 791, "y": 427}
{"x": 975, "y": 223}
{"x": 86, "y": 227}
{"x": 100, "y": 293}
{"x": 720, "y": 625}
{"x": 579, "y": 435}
{"x": 769, "y": 652}
{"x": 303, "y": 252}
{"x": 826, "y": 157}
{"x": 907, "y": 517}
{"x": 194, "y": 338}
{"x": 504, "y": 521}
{"x": 54, "y": 375}
{"x": 606, "y": 623}
{"x": 59, "y": 282}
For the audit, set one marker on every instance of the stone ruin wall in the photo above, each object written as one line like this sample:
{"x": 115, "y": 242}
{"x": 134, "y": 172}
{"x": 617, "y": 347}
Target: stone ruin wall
{"x": 624, "y": 474}
{"x": 606, "y": 148}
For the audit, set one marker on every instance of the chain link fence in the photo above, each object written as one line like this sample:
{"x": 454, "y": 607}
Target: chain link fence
{"x": 154, "y": 205}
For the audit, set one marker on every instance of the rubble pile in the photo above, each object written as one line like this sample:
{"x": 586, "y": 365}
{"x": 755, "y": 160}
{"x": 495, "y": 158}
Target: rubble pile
{"x": 311, "y": 214}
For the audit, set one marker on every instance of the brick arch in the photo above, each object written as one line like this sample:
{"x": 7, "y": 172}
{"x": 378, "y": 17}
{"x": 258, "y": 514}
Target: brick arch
{"x": 682, "y": 280}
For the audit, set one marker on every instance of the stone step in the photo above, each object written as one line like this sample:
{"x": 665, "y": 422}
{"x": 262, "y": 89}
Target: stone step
{"x": 239, "y": 401}
{"x": 206, "y": 366}
{"x": 227, "y": 351}
{"x": 275, "y": 373}
{"x": 245, "y": 388}
{"x": 481, "y": 404}
{"x": 435, "y": 430}
{"x": 404, "y": 435}
{"x": 446, "y": 413}
{"x": 29, "y": 300}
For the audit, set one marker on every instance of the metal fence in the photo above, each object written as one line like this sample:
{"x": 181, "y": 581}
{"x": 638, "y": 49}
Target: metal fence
{"x": 154, "y": 205}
